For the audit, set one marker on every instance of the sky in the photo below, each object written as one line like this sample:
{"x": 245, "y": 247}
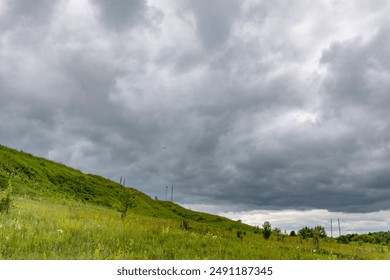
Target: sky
{"x": 256, "y": 110}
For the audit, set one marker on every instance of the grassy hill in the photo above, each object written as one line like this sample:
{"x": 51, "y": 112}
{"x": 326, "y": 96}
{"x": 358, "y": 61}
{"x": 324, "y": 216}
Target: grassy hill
{"x": 58, "y": 212}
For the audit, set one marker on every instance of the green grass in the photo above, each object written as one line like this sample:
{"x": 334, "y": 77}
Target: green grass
{"x": 60, "y": 213}
{"x": 68, "y": 230}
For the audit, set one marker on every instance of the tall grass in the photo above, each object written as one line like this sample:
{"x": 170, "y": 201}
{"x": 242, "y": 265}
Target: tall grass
{"x": 45, "y": 230}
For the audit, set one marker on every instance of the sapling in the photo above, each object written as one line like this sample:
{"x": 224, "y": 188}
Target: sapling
{"x": 127, "y": 201}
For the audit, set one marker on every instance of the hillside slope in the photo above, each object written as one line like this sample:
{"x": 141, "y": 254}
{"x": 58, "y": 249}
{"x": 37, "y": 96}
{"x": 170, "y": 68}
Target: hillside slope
{"x": 41, "y": 179}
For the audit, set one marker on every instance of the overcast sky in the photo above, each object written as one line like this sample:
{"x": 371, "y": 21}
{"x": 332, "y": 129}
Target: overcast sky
{"x": 241, "y": 105}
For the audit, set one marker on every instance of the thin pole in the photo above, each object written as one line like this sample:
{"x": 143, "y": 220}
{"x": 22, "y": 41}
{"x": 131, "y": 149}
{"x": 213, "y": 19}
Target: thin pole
{"x": 166, "y": 192}
{"x": 172, "y": 194}
{"x": 124, "y": 182}
{"x": 120, "y": 181}
{"x": 339, "y": 226}
{"x": 331, "y": 228}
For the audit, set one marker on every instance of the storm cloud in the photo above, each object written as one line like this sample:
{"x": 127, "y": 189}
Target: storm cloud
{"x": 240, "y": 105}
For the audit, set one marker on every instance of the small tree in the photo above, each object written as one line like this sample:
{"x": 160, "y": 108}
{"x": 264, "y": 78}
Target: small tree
{"x": 318, "y": 233}
{"x": 267, "y": 230}
{"x": 127, "y": 201}
{"x": 305, "y": 232}
{"x": 292, "y": 233}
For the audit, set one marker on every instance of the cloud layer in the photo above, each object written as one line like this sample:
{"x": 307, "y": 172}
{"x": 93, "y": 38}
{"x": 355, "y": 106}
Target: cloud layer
{"x": 241, "y": 104}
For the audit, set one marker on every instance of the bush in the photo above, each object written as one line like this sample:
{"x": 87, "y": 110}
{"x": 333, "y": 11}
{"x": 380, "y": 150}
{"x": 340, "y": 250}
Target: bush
{"x": 185, "y": 225}
{"x": 319, "y": 231}
{"x": 127, "y": 201}
{"x": 316, "y": 233}
{"x": 267, "y": 230}
{"x": 305, "y": 232}
{"x": 3, "y": 182}
{"x": 5, "y": 198}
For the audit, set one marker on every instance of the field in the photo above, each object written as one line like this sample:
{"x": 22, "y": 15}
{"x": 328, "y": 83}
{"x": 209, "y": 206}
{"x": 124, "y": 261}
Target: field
{"x": 44, "y": 230}
{"x": 59, "y": 213}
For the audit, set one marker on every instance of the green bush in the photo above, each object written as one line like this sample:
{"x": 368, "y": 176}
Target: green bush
{"x": 127, "y": 201}
{"x": 3, "y": 182}
{"x": 305, "y": 232}
{"x": 5, "y": 198}
{"x": 185, "y": 225}
{"x": 267, "y": 230}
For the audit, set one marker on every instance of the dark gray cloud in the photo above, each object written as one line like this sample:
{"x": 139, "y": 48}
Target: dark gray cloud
{"x": 26, "y": 14}
{"x": 240, "y": 105}
{"x": 121, "y": 14}
{"x": 214, "y": 20}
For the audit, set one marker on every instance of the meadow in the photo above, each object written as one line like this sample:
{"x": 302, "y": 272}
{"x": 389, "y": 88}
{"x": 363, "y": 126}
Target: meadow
{"x": 40, "y": 229}
{"x": 59, "y": 213}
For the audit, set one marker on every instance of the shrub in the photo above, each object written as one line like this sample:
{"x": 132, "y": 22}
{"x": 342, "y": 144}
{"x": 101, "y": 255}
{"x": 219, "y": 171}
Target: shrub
{"x": 185, "y": 225}
{"x": 316, "y": 233}
{"x": 3, "y": 182}
{"x": 305, "y": 232}
{"x": 319, "y": 231}
{"x": 127, "y": 201}
{"x": 267, "y": 230}
{"x": 344, "y": 239}
{"x": 5, "y": 198}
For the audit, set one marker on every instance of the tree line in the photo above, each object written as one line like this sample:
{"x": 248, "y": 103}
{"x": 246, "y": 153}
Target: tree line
{"x": 381, "y": 237}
